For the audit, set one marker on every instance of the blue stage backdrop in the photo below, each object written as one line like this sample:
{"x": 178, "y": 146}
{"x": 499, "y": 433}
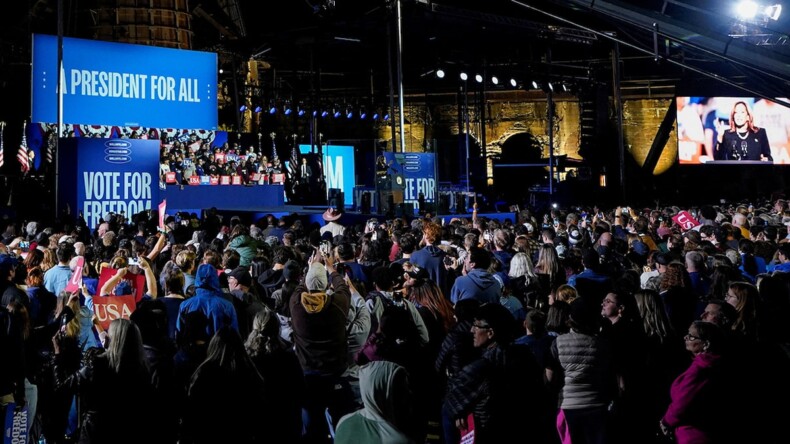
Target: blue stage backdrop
{"x": 101, "y": 176}
{"x": 125, "y": 85}
{"x": 338, "y": 169}
{"x": 419, "y": 174}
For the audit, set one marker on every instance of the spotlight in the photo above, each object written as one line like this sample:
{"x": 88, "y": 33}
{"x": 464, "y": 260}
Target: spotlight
{"x": 363, "y": 114}
{"x": 513, "y": 83}
{"x": 336, "y": 114}
{"x": 288, "y": 110}
{"x": 386, "y": 117}
{"x": 315, "y": 113}
{"x": 746, "y": 9}
{"x": 565, "y": 87}
{"x": 773, "y": 12}
{"x": 551, "y": 87}
{"x": 300, "y": 113}
{"x": 375, "y": 116}
{"x": 324, "y": 113}
{"x": 272, "y": 110}
{"x": 349, "y": 114}
{"x": 494, "y": 80}
{"x": 221, "y": 71}
{"x": 258, "y": 109}
{"x": 478, "y": 78}
{"x": 440, "y": 73}
{"x": 243, "y": 108}
{"x": 464, "y": 76}
{"x": 535, "y": 85}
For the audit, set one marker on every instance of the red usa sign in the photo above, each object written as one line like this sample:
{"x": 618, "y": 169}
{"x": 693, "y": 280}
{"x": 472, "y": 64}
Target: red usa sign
{"x": 685, "y": 220}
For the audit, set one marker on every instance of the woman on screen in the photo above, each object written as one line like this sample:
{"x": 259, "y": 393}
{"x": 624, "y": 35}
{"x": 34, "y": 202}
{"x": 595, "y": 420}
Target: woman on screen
{"x": 743, "y": 140}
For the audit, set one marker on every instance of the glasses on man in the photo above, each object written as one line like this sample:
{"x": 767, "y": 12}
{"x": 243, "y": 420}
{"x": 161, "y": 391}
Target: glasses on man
{"x": 481, "y": 326}
{"x": 690, "y": 337}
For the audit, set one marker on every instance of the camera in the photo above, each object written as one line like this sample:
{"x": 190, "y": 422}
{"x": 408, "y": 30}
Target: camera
{"x": 134, "y": 261}
{"x": 24, "y": 245}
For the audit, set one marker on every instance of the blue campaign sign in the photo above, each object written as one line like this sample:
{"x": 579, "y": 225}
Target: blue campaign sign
{"x": 339, "y": 169}
{"x": 419, "y": 174}
{"x": 101, "y": 176}
{"x": 125, "y": 85}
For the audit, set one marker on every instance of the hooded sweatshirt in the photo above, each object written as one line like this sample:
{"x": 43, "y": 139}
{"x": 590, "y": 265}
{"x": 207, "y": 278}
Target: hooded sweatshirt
{"x": 477, "y": 284}
{"x": 208, "y": 299}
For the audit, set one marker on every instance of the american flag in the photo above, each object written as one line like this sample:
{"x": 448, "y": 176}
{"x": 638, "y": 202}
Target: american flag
{"x": 2, "y": 130}
{"x": 51, "y": 141}
{"x": 21, "y": 153}
{"x": 293, "y": 165}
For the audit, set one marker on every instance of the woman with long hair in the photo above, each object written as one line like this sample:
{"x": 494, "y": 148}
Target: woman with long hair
{"x": 49, "y": 260}
{"x": 282, "y": 375}
{"x": 33, "y": 259}
{"x": 744, "y": 297}
{"x": 227, "y": 377}
{"x": 523, "y": 282}
{"x": 549, "y": 271}
{"x": 118, "y": 372}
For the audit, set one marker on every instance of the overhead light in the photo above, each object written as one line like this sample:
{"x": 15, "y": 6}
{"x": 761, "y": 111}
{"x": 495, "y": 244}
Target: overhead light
{"x": 440, "y": 73}
{"x": 221, "y": 71}
{"x": 363, "y": 114}
{"x": 349, "y": 114}
{"x": 746, "y": 9}
{"x": 258, "y": 109}
{"x": 479, "y": 78}
{"x": 300, "y": 113}
{"x": 288, "y": 110}
{"x": 494, "y": 80}
{"x": 513, "y": 83}
{"x": 464, "y": 76}
{"x": 773, "y": 12}
{"x": 375, "y": 116}
{"x": 386, "y": 116}
{"x": 243, "y": 108}
{"x": 534, "y": 84}
{"x": 324, "y": 113}
{"x": 315, "y": 113}
{"x": 273, "y": 110}
{"x": 565, "y": 87}
{"x": 336, "y": 114}
{"x": 551, "y": 87}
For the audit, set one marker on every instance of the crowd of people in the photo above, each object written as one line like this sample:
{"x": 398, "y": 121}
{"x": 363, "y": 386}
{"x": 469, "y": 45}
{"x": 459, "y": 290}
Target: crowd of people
{"x": 579, "y": 325}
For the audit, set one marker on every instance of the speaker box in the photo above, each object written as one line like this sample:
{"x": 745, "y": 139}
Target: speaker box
{"x": 336, "y": 199}
{"x": 444, "y": 203}
{"x": 364, "y": 206}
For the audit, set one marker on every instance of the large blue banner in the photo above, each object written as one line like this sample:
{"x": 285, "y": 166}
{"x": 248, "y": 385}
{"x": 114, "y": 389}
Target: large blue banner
{"x": 338, "y": 169}
{"x": 101, "y": 176}
{"x": 125, "y": 85}
{"x": 418, "y": 172}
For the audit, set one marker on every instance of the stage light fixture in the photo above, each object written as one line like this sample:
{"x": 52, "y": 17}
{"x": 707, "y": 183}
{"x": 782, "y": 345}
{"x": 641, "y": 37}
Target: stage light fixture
{"x": 773, "y": 12}
{"x": 478, "y": 78}
{"x": 551, "y": 87}
{"x": 336, "y": 114}
{"x": 349, "y": 114}
{"x": 258, "y": 109}
{"x": 565, "y": 87}
{"x": 221, "y": 71}
{"x": 513, "y": 83}
{"x": 315, "y": 113}
{"x": 300, "y": 112}
{"x": 243, "y": 108}
{"x": 324, "y": 113}
{"x": 386, "y": 117}
{"x": 440, "y": 73}
{"x": 288, "y": 110}
{"x": 464, "y": 76}
{"x": 494, "y": 80}
{"x": 363, "y": 114}
{"x": 273, "y": 110}
{"x": 535, "y": 85}
{"x": 375, "y": 116}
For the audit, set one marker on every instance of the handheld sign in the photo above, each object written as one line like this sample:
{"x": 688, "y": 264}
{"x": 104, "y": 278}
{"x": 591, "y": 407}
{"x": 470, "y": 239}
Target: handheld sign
{"x": 685, "y": 220}
{"x": 75, "y": 282}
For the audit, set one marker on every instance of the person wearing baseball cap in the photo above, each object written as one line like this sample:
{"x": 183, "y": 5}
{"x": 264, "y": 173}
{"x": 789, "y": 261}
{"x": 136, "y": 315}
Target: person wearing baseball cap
{"x": 247, "y": 305}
